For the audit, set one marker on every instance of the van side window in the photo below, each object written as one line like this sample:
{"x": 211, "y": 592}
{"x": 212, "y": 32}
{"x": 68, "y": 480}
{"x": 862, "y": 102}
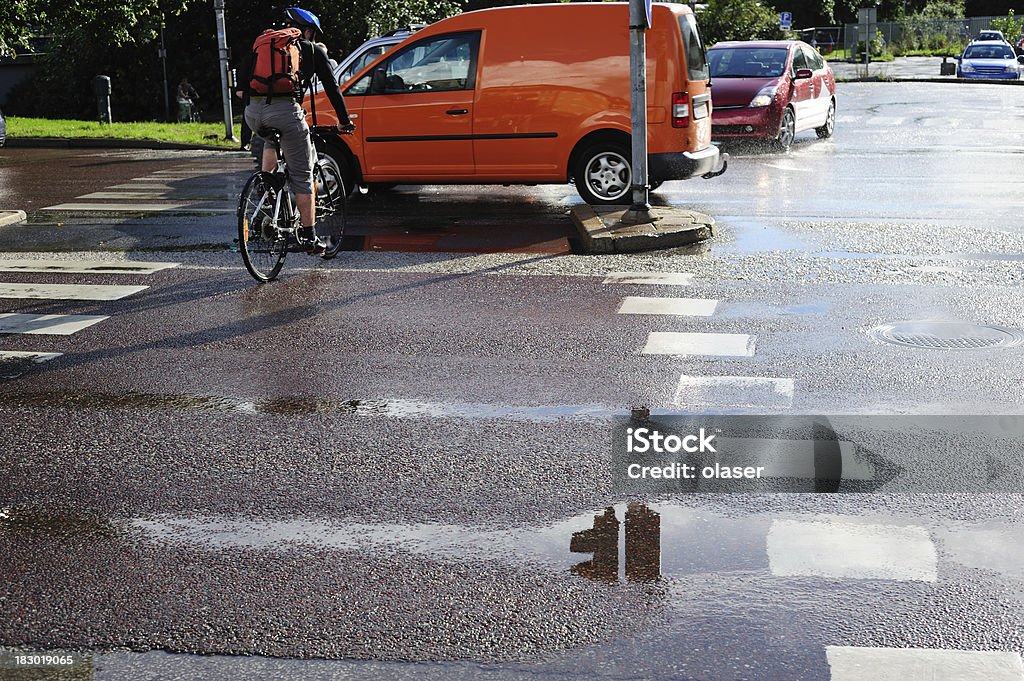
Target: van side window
{"x": 365, "y": 58}
{"x": 696, "y": 62}
{"x": 437, "y": 63}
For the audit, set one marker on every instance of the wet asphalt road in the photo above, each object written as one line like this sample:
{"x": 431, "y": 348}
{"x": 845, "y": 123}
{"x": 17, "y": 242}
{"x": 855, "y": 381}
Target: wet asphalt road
{"x": 385, "y": 458}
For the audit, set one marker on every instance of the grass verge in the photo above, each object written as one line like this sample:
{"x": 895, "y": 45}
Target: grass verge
{"x": 182, "y": 133}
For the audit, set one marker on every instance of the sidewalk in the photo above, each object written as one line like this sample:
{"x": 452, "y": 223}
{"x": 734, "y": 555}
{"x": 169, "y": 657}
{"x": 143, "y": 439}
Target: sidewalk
{"x": 908, "y": 68}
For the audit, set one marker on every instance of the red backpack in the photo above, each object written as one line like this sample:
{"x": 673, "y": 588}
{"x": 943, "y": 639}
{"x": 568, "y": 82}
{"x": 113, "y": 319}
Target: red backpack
{"x": 275, "y": 62}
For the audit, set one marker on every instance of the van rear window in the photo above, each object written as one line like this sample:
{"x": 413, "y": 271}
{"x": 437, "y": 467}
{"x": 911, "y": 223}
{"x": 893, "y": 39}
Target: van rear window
{"x": 696, "y": 64}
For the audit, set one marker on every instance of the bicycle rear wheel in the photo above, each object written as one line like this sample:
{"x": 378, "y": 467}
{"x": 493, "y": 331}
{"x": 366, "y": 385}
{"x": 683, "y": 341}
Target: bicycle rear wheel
{"x": 331, "y": 205}
{"x": 262, "y": 244}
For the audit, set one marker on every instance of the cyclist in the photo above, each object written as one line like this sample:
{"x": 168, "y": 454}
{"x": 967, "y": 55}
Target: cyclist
{"x": 284, "y": 112}
{"x": 186, "y": 98}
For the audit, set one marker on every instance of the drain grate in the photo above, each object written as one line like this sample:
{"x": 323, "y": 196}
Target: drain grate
{"x": 944, "y": 335}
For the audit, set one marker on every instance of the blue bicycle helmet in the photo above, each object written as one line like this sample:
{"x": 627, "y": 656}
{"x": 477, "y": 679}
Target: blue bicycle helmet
{"x": 304, "y": 18}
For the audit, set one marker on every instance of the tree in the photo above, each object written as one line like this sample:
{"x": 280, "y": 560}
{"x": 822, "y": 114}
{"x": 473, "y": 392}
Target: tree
{"x": 121, "y": 39}
{"x": 738, "y": 20}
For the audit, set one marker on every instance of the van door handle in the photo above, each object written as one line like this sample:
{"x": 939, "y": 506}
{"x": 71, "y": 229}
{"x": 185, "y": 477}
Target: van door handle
{"x": 457, "y": 112}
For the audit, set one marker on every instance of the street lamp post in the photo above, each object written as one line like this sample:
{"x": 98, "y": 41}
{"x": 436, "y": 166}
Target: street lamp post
{"x": 222, "y": 49}
{"x": 639, "y": 22}
{"x": 163, "y": 58}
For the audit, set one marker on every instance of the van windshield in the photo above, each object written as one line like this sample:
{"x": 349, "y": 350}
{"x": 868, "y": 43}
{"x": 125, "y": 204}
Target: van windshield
{"x": 747, "y": 62}
{"x": 696, "y": 63}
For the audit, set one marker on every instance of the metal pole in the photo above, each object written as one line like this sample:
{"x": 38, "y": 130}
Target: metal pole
{"x": 163, "y": 57}
{"x": 222, "y": 49}
{"x": 638, "y": 101}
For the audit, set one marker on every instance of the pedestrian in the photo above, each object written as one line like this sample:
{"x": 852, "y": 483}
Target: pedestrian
{"x": 186, "y": 100}
{"x": 281, "y": 67}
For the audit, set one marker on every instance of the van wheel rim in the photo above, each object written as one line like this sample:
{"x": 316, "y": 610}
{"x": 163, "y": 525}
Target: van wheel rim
{"x": 609, "y": 175}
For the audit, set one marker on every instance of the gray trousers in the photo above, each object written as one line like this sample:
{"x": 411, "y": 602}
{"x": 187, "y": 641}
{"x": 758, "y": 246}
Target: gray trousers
{"x": 288, "y": 117}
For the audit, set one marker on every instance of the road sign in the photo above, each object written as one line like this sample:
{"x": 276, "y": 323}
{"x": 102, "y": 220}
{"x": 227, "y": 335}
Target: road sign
{"x": 786, "y": 20}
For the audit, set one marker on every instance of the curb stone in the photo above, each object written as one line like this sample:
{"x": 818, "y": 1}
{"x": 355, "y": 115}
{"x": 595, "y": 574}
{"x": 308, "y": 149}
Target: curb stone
{"x": 12, "y": 217}
{"x": 602, "y": 230}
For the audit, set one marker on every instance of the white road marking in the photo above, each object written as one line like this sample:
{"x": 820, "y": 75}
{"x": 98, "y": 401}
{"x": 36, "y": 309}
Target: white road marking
{"x": 788, "y": 167}
{"x": 713, "y": 344}
{"x": 791, "y": 458}
{"x": 52, "y": 324}
{"x": 86, "y": 266}
{"x": 123, "y": 195}
{"x": 68, "y": 291}
{"x": 119, "y": 206}
{"x": 845, "y": 550}
{"x": 924, "y": 664}
{"x": 133, "y": 187}
{"x": 139, "y": 207}
{"x": 666, "y": 278}
{"x": 734, "y": 391}
{"x": 37, "y": 357}
{"x": 683, "y": 307}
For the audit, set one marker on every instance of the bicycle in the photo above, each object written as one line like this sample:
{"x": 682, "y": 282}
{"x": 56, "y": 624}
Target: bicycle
{"x": 268, "y": 219}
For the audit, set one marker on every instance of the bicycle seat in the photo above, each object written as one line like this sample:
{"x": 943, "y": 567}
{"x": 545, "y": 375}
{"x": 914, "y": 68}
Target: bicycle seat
{"x": 270, "y": 134}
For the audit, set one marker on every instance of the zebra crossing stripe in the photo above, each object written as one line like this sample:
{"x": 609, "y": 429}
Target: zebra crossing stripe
{"x": 844, "y": 550}
{"x": 710, "y": 344}
{"x": 147, "y": 207}
{"x": 86, "y": 266}
{"x": 664, "y": 278}
{"x": 134, "y": 187}
{"x": 849, "y": 663}
{"x": 37, "y": 357}
{"x": 682, "y": 307}
{"x": 123, "y": 195}
{"x": 734, "y": 391}
{"x": 67, "y": 291}
{"x": 51, "y": 324}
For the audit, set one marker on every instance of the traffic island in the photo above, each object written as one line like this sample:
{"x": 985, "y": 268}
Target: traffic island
{"x": 618, "y": 229}
{"x": 12, "y": 217}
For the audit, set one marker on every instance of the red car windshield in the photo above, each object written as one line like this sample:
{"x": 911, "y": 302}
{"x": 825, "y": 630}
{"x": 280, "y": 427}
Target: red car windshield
{"x": 747, "y": 62}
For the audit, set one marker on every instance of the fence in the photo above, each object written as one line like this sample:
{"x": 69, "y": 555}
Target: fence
{"x": 911, "y": 34}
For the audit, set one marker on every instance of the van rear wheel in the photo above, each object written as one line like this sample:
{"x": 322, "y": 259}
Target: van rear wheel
{"x": 603, "y": 173}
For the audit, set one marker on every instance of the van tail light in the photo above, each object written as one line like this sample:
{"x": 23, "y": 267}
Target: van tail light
{"x": 680, "y": 110}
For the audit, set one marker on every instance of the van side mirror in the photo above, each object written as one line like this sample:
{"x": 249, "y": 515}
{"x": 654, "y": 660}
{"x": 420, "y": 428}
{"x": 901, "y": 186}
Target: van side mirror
{"x": 377, "y": 81}
{"x": 803, "y": 73}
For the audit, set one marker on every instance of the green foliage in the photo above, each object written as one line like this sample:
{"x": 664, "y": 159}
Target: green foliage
{"x": 14, "y": 27}
{"x": 941, "y": 9}
{"x": 738, "y": 20}
{"x": 1011, "y": 26}
{"x": 120, "y": 38}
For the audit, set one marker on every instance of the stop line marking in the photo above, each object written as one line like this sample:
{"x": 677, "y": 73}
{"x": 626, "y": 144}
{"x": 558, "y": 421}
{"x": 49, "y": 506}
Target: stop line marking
{"x": 67, "y": 291}
{"x": 86, "y": 266}
{"x": 711, "y": 344}
{"x": 934, "y": 664}
{"x": 51, "y": 324}
{"x": 666, "y": 278}
{"x": 734, "y": 391}
{"x": 834, "y": 550}
{"x": 682, "y": 307}
{"x": 37, "y": 357}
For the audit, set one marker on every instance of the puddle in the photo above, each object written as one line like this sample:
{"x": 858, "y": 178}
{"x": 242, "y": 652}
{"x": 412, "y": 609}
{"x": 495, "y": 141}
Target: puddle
{"x": 751, "y": 236}
{"x": 634, "y": 542}
{"x": 30, "y": 522}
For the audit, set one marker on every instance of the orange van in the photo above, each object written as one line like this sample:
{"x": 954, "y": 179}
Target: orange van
{"x": 527, "y": 95}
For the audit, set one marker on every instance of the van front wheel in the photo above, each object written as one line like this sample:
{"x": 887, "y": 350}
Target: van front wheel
{"x": 603, "y": 174}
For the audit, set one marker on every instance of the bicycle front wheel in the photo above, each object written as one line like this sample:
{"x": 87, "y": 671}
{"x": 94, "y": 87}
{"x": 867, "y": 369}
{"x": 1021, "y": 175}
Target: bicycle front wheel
{"x": 262, "y": 244}
{"x": 331, "y": 205}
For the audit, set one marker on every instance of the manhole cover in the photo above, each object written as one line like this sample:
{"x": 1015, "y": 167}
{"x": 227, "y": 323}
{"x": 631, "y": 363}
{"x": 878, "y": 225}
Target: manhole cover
{"x": 947, "y": 335}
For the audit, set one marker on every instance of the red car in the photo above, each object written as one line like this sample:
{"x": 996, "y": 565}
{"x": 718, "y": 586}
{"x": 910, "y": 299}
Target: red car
{"x": 770, "y": 89}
